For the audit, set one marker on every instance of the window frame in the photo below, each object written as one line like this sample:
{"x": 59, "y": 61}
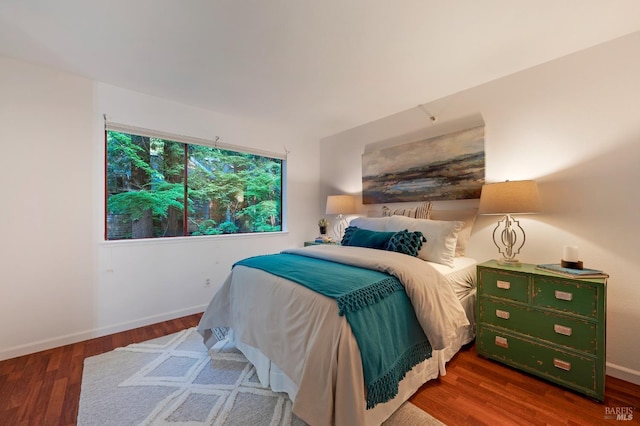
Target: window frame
{"x": 188, "y": 141}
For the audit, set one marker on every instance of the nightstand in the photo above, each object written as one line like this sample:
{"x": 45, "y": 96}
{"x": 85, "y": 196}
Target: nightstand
{"x": 544, "y": 324}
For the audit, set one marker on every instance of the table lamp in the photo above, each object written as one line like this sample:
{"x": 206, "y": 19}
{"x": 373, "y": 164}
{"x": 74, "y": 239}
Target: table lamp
{"x": 340, "y": 205}
{"x": 507, "y": 198}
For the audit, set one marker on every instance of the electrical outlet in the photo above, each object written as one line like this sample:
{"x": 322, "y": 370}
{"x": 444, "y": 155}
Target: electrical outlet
{"x": 207, "y": 282}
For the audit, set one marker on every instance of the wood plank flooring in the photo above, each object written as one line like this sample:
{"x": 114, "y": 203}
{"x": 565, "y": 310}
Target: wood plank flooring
{"x": 484, "y": 392}
{"x": 44, "y": 388}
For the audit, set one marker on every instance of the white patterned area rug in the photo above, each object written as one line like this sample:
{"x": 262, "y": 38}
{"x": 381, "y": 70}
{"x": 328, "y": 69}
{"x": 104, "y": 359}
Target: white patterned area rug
{"x": 173, "y": 380}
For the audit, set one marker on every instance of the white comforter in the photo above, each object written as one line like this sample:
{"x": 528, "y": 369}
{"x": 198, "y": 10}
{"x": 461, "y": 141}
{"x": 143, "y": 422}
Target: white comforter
{"x": 302, "y": 333}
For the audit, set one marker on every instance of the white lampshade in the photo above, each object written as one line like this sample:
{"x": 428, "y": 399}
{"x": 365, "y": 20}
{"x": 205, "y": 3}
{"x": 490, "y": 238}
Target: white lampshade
{"x": 509, "y": 197}
{"x": 341, "y": 204}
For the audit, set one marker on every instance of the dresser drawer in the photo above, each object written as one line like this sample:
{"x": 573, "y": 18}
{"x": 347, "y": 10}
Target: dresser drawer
{"x": 571, "y": 370}
{"x": 504, "y": 284}
{"x": 566, "y": 296}
{"x": 574, "y": 333}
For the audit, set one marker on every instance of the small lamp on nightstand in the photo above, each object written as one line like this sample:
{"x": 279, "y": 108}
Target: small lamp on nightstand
{"x": 507, "y": 198}
{"x": 340, "y": 205}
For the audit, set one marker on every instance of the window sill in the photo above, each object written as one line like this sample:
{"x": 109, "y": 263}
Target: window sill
{"x": 194, "y": 239}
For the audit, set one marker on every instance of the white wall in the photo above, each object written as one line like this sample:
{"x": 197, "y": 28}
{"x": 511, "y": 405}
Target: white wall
{"x": 46, "y": 263}
{"x": 571, "y": 124}
{"x": 60, "y": 281}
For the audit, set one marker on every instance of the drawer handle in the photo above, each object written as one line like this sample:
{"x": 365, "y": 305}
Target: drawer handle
{"x": 505, "y": 285}
{"x": 564, "y": 295}
{"x": 502, "y": 341}
{"x": 561, "y": 329}
{"x": 562, "y": 365}
{"x": 502, "y": 314}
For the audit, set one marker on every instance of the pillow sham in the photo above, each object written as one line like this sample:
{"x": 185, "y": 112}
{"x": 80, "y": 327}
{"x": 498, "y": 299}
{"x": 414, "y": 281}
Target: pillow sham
{"x": 370, "y": 223}
{"x": 419, "y": 212}
{"x": 406, "y": 242}
{"x": 468, "y": 216}
{"x": 354, "y": 236}
{"x": 441, "y": 237}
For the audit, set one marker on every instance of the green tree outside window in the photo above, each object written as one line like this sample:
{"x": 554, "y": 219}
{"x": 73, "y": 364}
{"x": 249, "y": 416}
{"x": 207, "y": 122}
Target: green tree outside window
{"x": 161, "y": 188}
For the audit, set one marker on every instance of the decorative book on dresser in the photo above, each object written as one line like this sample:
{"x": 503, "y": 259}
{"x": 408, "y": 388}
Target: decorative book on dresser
{"x": 544, "y": 324}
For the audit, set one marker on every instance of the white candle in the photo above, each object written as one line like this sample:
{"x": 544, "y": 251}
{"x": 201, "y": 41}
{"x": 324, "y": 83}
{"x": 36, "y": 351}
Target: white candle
{"x": 570, "y": 254}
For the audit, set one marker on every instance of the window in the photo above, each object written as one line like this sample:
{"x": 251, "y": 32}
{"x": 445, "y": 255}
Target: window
{"x": 158, "y": 187}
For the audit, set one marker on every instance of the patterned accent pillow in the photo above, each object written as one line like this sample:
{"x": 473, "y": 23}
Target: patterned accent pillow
{"x": 420, "y": 212}
{"x": 423, "y": 210}
{"x": 406, "y": 242}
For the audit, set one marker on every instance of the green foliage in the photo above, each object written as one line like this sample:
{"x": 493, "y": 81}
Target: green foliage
{"x": 126, "y": 153}
{"x": 208, "y": 227}
{"x": 136, "y": 203}
{"x": 228, "y": 228}
{"x": 260, "y": 217}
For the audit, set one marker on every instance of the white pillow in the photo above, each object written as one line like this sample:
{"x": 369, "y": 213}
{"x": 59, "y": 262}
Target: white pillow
{"x": 468, "y": 216}
{"x": 441, "y": 237}
{"x": 370, "y": 223}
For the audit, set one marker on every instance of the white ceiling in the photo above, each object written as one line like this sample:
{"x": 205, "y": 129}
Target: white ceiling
{"x": 326, "y": 65}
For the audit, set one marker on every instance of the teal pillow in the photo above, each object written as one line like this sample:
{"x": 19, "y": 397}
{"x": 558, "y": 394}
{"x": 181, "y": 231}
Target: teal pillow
{"x": 406, "y": 242}
{"x": 354, "y": 236}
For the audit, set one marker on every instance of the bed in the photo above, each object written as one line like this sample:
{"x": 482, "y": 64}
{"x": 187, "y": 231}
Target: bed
{"x": 301, "y": 345}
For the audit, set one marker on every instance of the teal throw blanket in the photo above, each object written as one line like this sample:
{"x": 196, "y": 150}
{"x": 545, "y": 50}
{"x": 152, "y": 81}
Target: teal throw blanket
{"x": 375, "y": 304}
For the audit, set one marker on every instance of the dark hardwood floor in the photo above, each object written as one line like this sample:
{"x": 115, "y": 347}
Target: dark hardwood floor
{"x": 484, "y": 392}
{"x": 44, "y": 388}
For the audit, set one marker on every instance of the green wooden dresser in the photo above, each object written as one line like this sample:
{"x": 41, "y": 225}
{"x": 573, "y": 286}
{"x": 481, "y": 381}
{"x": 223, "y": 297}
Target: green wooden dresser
{"x": 544, "y": 324}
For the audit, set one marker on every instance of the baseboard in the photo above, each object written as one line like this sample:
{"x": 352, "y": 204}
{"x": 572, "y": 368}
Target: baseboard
{"x": 623, "y": 373}
{"x": 68, "y": 339}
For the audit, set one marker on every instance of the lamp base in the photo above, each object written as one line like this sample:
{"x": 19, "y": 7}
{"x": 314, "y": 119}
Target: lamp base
{"x": 509, "y": 262}
{"x": 340, "y": 226}
{"x": 509, "y": 239}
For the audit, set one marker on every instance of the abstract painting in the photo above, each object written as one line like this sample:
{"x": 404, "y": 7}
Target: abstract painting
{"x": 447, "y": 167}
